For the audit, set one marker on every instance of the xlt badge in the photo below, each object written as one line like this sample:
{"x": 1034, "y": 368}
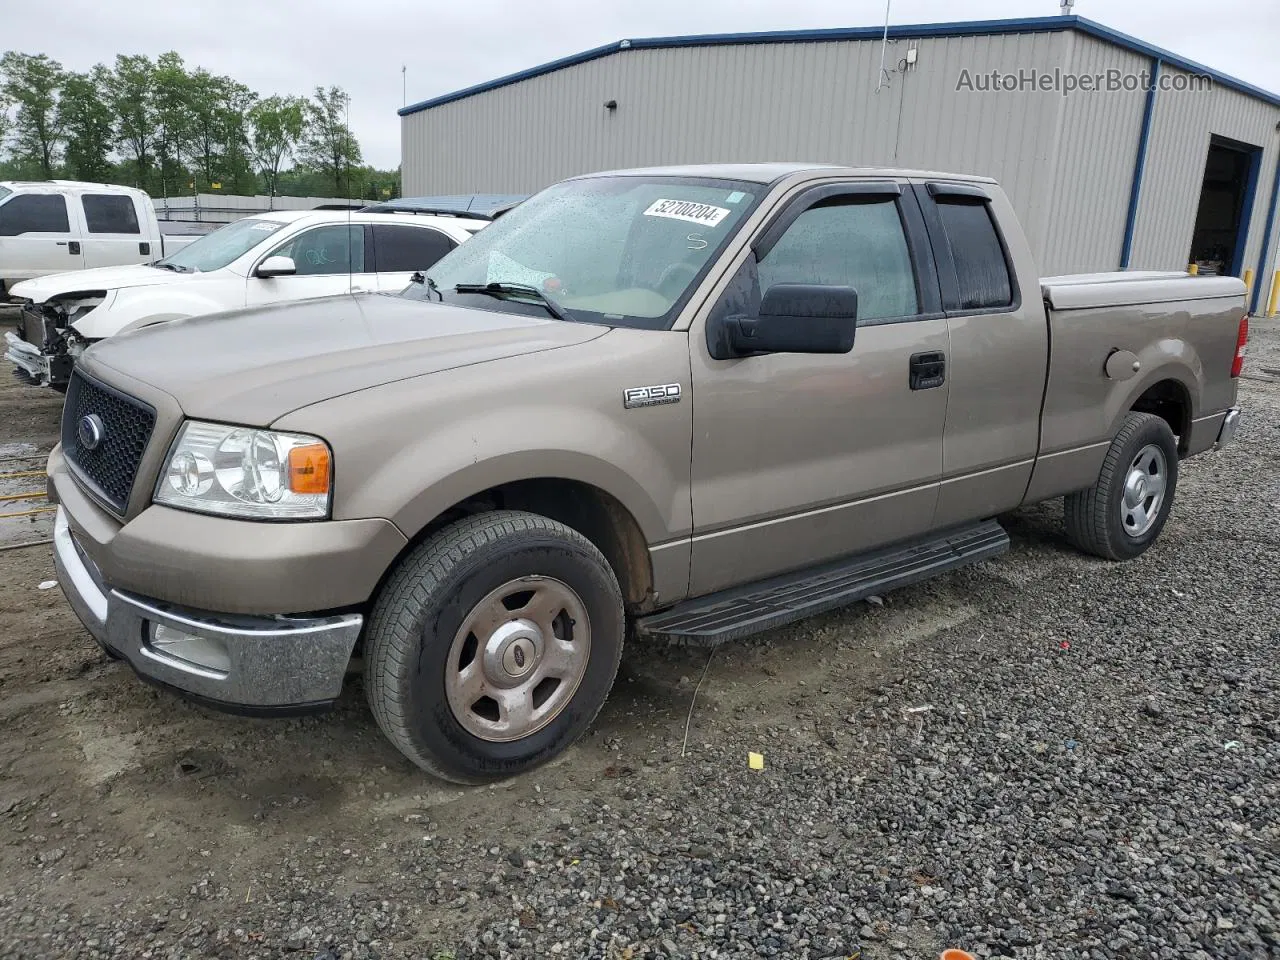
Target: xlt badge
{"x": 651, "y": 396}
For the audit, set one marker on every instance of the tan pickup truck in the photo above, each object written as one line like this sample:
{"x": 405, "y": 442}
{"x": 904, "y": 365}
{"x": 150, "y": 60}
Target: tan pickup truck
{"x": 689, "y": 403}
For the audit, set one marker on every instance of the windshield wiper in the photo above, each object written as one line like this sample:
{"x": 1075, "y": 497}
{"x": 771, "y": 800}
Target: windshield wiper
{"x": 503, "y": 291}
{"x": 161, "y": 265}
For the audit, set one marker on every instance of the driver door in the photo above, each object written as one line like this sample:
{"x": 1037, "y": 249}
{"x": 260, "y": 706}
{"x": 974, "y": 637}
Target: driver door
{"x": 802, "y": 458}
{"x": 330, "y": 260}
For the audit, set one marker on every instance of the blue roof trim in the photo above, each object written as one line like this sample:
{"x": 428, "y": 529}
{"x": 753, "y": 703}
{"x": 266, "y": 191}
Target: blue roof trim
{"x": 967, "y": 28}
{"x": 593, "y": 54}
{"x": 1171, "y": 59}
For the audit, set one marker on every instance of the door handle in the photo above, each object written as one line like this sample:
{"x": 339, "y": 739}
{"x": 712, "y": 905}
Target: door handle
{"x": 928, "y": 370}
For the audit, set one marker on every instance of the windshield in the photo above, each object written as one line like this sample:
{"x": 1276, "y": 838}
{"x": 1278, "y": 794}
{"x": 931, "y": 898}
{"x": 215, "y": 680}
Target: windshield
{"x": 620, "y": 250}
{"x": 215, "y": 250}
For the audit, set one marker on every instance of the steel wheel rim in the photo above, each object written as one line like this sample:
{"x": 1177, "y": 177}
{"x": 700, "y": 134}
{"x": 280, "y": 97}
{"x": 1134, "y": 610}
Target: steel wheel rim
{"x": 518, "y": 659}
{"x": 1145, "y": 484}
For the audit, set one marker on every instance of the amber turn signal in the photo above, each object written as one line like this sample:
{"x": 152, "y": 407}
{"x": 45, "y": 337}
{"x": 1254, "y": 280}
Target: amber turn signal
{"x": 309, "y": 469}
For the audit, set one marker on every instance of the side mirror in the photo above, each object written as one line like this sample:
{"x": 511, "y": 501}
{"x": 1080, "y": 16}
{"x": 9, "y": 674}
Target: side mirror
{"x": 794, "y": 318}
{"x": 276, "y": 267}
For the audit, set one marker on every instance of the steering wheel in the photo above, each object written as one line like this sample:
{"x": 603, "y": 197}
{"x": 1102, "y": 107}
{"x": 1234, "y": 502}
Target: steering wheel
{"x": 667, "y": 283}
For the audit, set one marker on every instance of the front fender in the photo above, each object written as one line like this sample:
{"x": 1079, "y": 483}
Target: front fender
{"x": 424, "y": 479}
{"x": 410, "y": 450}
{"x": 130, "y": 310}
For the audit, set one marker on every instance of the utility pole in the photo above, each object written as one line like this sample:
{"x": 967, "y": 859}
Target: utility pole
{"x": 404, "y": 85}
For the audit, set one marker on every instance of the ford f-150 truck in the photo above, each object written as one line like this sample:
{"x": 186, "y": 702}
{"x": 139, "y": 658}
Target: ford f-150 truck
{"x": 688, "y": 403}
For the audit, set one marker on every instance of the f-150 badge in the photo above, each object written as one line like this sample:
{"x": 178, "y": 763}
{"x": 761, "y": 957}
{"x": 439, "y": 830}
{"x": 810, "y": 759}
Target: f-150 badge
{"x": 651, "y": 396}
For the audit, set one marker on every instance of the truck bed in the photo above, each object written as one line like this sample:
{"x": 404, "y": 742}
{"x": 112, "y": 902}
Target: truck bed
{"x": 1180, "y": 332}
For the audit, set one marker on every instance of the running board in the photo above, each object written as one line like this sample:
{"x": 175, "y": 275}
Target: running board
{"x": 766, "y": 604}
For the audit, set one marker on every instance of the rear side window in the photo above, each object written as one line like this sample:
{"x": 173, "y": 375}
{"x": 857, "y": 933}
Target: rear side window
{"x": 856, "y": 244}
{"x": 981, "y": 267}
{"x": 403, "y": 249}
{"x": 34, "y": 213}
{"x": 110, "y": 213}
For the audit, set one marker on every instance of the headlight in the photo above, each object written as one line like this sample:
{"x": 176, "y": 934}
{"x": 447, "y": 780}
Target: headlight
{"x": 243, "y": 472}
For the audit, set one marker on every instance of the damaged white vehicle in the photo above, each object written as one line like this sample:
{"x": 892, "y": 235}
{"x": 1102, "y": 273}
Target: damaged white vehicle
{"x": 266, "y": 258}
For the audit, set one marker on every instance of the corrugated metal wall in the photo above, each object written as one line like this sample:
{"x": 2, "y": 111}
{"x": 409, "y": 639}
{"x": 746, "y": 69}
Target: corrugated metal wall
{"x": 1181, "y": 129}
{"x": 1093, "y": 164}
{"x": 1066, "y": 162}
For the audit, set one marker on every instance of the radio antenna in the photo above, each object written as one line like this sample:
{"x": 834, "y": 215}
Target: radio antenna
{"x": 883, "y": 79}
{"x": 346, "y": 151}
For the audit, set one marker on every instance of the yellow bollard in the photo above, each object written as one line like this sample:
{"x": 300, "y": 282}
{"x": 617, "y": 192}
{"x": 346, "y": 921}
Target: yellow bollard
{"x": 1193, "y": 268}
{"x": 1248, "y": 281}
{"x": 1275, "y": 294}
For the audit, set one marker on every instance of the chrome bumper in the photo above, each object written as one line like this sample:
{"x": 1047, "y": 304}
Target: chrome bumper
{"x": 251, "y": 664}
{"x": 27, "y": 357}
{"x": 1229, "y": 427}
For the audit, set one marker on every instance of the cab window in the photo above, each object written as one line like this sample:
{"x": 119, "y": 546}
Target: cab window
{"x": 848, "y": 242}
{"x": 34, "y": 213}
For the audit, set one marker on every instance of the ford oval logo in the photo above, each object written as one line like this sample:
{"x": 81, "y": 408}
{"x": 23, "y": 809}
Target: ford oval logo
{"x": 90, "y": 431}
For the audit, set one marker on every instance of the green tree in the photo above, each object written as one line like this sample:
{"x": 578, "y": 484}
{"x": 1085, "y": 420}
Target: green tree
{"x": 32, "y": 82}
{"x": 131, "y": 94}
{"x": 88, "y": 125}
{"x": 174, "y": 137}
{"x": 329, "y": 147}
{"x": 5, "y": 122}
{"x": 276, "y": 125}
{"x": 232, "y": 129}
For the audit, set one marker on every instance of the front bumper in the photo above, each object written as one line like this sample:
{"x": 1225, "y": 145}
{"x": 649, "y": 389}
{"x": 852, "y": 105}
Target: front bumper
{"x": 235, "y": 662}
{"x": 1230, "y": 425}
{"x": 27, "y": 357}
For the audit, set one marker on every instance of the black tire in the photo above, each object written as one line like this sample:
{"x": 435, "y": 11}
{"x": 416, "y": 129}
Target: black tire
{"x": 1094, "y": 517}
{"x": 425, "y": 603}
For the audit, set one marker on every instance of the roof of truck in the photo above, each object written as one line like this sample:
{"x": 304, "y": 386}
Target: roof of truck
{"x": 68, "y": 185}
{"x": 772, "y": 172}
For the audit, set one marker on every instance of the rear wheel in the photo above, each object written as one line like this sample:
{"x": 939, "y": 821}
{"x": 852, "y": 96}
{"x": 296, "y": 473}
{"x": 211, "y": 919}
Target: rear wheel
{"x": 1122, "y": 514}
{"x": 493, "y": 646}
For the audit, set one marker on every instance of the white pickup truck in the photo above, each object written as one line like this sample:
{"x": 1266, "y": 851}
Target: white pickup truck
{"x": 266, "y": 258}
{"x": 53, "y": 226}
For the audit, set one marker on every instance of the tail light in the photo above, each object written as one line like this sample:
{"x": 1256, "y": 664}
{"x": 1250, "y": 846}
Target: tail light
{"x": 1242, "y": 338}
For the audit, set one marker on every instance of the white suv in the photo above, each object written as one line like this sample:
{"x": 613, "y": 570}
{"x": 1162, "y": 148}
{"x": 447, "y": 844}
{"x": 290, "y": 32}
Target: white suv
{"x": 266, "y": 258}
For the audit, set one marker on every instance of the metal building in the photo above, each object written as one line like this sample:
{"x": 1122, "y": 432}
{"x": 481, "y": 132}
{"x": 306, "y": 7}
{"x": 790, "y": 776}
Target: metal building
{"x": 1114, "y": 152}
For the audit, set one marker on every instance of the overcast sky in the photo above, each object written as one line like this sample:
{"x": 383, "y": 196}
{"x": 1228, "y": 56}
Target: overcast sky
{"x": 290, "y": 46}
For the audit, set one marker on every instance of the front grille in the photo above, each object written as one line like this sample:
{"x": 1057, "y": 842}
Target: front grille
{"x": 126, "y": 426}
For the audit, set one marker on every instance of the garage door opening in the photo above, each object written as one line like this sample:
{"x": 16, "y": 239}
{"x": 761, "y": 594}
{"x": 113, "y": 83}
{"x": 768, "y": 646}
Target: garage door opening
{"x": 1226, "y": 201}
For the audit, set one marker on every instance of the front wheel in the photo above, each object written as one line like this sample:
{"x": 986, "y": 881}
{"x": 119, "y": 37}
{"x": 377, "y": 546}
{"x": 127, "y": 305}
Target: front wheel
{"x": 493, "y": 646}
{"x": 1122, "y": 514}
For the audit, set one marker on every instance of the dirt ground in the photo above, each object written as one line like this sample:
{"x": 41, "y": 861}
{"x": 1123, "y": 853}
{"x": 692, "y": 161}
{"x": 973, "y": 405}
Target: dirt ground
{"x": 113, "y": 792}
{"x": 126, "y": 788}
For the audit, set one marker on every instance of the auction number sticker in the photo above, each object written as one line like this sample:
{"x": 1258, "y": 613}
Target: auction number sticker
{"x": 702, "y": 213}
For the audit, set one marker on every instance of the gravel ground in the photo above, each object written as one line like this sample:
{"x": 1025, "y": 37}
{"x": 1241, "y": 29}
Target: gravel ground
{"x": 1042, "y": 756}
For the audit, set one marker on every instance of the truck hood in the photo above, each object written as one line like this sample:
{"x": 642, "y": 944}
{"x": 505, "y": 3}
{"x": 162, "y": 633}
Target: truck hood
{"x": 99, "y": 278}
{"x": 253, "y": 366}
